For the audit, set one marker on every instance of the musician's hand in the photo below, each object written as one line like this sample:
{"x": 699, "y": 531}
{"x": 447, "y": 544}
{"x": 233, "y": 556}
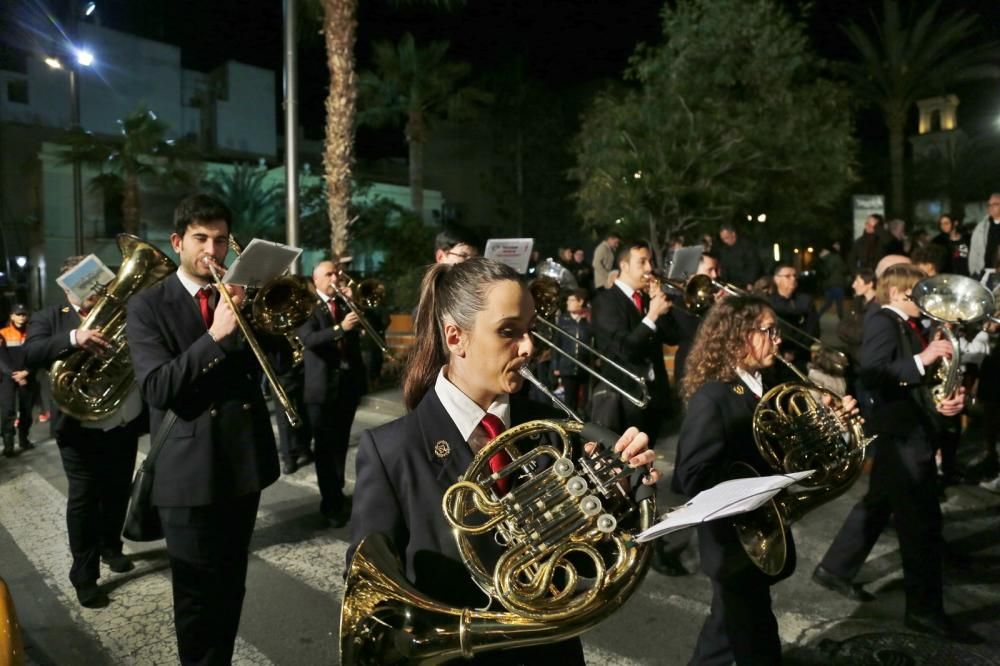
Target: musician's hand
{"x": 659, "y": 304}
{"x": 633, "y": 447}
{"x": 953, "y": 405}
{"x": 350, "y": 321}
{"x": 847, "y": 409}
{"x": 238, "y": 294}
{"x": 20, "y": 377}
{"x": 223, "y": 320}
{"x": 92, "y": 340}
{"x": 935, "y": 350}
{"x": 347, "y": 292}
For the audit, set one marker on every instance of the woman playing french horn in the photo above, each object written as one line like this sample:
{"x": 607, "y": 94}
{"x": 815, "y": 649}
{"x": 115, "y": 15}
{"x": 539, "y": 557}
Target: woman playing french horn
{"x": 461, "y": 383}
{"x": 736, "y": 342}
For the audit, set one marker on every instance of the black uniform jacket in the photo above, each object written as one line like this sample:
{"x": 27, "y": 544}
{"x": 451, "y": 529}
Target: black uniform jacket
{"x": 717, "y": 433}
{"x": 48, "y": 342}
{"x": 221, "y": 446}
{"x": 326, "y": 348}
{"x": 620, "y": 334}
{"x": 901, "y": 404}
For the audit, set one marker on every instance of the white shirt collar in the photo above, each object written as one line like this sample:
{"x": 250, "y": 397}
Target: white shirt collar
{"x": 754, "y": 382}
{"x": 190, "y": 285}
{"x": 625, "y": 288}
{"x": 464, "y": 411}
{"x": 902, "y": 315}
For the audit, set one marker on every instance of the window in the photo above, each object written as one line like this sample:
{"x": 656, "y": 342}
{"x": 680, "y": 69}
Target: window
{"x": 13, "y": 59}
{"x": 17, "y": 91}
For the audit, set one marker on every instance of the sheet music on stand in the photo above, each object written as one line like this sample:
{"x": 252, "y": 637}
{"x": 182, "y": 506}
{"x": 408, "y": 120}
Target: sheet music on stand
{"x": 260, "y": 262}
{"x": 729, "y": 498}
{"x": 684, "y": 262}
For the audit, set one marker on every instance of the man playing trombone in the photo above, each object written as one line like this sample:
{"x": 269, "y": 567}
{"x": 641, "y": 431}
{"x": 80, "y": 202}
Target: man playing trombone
{"x": 334, "y": 383}
{"x": 219, "y": 453}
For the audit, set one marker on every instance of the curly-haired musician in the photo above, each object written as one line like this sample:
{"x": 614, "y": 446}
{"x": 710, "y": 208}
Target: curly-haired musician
{"x": 461, "y": 384}
{"x": 723, "y": 384}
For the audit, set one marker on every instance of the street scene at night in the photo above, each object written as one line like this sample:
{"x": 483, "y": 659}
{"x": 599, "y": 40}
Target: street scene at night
{"x": 554, "y": 332}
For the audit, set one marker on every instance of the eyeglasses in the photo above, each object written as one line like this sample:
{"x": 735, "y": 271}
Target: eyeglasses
{"x": 464, "y": 256}
{"x": 773, "y": 332}
{"x": 790, "y": 276}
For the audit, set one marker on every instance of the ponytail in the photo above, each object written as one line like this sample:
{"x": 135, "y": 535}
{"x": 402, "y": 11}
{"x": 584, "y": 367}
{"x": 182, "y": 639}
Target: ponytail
{"x": 429, "y": 353}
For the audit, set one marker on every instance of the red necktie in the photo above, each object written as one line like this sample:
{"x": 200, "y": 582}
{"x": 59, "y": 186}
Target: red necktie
{"x": 915, "y": 327}
{"x": 332, "y": 304}
{"x": 637, "y": 299}
{"x": 493, "y": 427}
{"x": 207, "y": 313}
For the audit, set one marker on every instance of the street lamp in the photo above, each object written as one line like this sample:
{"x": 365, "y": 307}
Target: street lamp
{"x": 82, "y": 57}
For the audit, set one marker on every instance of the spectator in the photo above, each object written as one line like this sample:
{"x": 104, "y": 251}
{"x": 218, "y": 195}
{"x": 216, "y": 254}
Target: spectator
{"x": 737, "y": 258}
{"x": 577, "y": 328}
{"x": 985, "y": 238}
{"x": 897, "y": 242}
{"x": 605, "y": 271}
{"x": 833, "y": 274}
{"x": 956, "y": 245}
{"x": 454, "y": 245}
{"x": 583, "y": 273}
{"x": 868, "y": 247}
{"x": 931, "y": 259}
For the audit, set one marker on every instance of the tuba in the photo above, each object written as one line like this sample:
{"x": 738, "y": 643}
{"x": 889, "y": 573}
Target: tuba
{"x": 570, "y": 513}
{"x": 89, "y": 386}
{"x": 952, "y": 301}
{"x": 795, "y": 432}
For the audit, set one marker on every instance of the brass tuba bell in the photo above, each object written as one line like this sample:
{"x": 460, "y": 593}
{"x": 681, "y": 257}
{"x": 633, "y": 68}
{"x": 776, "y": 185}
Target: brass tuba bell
{"x": 89, "y": 386}
{"x": 569, "y": 514}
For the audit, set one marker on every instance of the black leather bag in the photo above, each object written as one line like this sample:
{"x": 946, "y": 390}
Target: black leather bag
{"x": 142, "y": 521}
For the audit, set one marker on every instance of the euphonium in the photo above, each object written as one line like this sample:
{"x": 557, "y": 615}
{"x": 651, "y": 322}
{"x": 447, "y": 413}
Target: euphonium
{"x": 794, "y": 432}
{"x": 570, "y": 513}
{"x": 89, "y": 386}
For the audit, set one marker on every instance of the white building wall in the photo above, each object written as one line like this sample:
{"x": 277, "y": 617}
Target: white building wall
{"x": 246, "y": 118}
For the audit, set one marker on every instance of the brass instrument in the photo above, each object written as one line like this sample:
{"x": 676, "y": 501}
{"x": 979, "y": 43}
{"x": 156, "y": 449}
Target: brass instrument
{"x": 88, "y": 386}
{"x": 794, "y": 432}
{"x": 11, "y": 644}
{"x": 698, "y": 290}
{"x": 369, "y": 293}
{"x": 282, "y": 305}
{"x": 952, "y": 301}
{"x": 570, "y": 512}
{"x": 545, "y": 291}
{"x": 276, "y": 388}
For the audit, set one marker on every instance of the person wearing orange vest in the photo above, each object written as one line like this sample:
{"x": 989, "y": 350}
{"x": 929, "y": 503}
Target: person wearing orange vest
{"x": 17, "y": 385}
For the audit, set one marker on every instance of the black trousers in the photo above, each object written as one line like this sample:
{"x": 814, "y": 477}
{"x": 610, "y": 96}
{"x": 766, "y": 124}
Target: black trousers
{"x": 617, "y": 414}
{"x": 293, "y": 442}
{"x": 99, "y": 468}
{"x": 741, "y": 626}
{"x": 331, "y": 428}
{"x": 16, "y": 403}
{"x": 209, "y": 548}
{"x": 903, "y": 483}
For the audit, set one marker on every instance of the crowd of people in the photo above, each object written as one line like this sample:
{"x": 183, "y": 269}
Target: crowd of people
{"x": 197, "y": 389}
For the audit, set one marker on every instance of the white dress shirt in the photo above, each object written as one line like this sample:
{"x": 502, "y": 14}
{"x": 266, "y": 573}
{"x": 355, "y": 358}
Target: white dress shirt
{"x": 466, "y": 414}
{"x": 753, "y": 381}
{"x": 905, "y": 317}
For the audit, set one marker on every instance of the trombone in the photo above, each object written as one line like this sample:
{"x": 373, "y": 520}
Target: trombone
{"x": 279, "y": 391}
{"x": 546, "y": 293}
{"x": 370, "y": 293}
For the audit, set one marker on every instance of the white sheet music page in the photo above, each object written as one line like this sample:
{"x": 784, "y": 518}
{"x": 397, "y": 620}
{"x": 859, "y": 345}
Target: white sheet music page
{"x": 729, "y": 498}
{"x": 260, "y": 262}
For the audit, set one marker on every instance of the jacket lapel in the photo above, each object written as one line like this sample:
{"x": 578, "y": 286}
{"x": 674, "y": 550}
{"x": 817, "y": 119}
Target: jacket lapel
{"x": 182, "y": 311}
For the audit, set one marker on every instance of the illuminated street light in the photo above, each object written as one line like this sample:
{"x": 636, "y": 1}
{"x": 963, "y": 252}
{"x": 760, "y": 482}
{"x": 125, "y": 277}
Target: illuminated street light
{"x": 777, "y": 252}
{"x": 54, "y": 63}
{"x": 90, "y": 8}
{"x": 809, "y": 250}
{"x": 84, "y": 57}
{"x": 21, "y": 261}
{"x": 762, "y": 217}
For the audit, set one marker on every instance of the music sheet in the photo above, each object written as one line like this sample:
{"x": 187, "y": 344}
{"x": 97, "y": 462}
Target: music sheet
{"x": 260, "y": 262}
{"x": 729, "y": 498}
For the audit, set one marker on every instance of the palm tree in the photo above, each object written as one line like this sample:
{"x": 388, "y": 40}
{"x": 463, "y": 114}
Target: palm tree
{"x": 420, "y": 86}
{"x": 339, "y": 20}
{"x": 254, "y": 203}
{"x": 141, "y": 152}
{"x": 902, "y": 61}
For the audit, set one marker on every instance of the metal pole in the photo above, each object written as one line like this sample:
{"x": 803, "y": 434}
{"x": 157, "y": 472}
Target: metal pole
{"x": 74, "y": 119}
{"x": 291, "y": 129}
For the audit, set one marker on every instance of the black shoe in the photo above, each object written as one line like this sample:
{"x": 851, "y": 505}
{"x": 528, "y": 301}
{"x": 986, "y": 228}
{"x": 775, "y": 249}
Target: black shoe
{"x": 117, "y": 562}
{"x": 668, "y": 564}
{"x": 91, "y": 596}
{"x": 304, "y": 459}
{"x": 845, "y": 588}
{"x": 340, "y": 516}
{"x": 289, "y": 467}
{"x": 941, "y": 626}
{"x": 8, "y": 448}
{"x": 25, "y": 445}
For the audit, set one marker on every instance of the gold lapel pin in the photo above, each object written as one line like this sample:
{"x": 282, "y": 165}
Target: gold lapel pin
{"x": 442, "y": 449}
{"x": 738, "y": 389}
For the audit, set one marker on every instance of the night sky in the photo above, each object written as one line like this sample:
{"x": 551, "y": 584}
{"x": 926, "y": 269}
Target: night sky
{"x": 568, "y": 45}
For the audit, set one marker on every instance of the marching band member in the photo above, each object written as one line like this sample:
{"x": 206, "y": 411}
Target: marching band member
{"x": 220, "y": 453}
{"x": 461, "y": 384}
{"x": 97, "y": 456}
{"x": 736, "y": 342}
